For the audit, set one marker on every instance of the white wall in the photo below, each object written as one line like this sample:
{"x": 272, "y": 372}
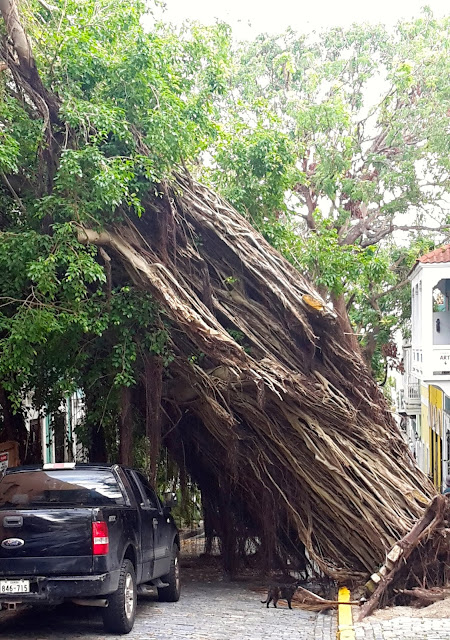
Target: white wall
{"x": 428, "y": 346}
{"x": 443, "y": 335}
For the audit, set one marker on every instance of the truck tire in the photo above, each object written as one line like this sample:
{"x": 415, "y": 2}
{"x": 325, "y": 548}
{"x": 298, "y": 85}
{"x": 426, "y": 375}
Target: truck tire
{"x": 119, "y": 615}
{"x": 171, "y": 593}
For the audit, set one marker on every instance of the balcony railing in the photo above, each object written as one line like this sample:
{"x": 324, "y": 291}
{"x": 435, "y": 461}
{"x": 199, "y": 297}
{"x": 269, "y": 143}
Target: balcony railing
{"x": 412, "y": 394}
{"x": 412, "y": 389}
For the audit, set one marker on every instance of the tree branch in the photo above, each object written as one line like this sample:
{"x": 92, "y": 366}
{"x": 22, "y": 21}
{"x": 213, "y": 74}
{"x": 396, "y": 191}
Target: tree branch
{"x": 24, "y": 63}
{"x": 399, "y": 285}
{"x": 377, "y": 236}
{"x": 108, "y": 270}
{"x": 350, "y": 301}
{"x": 16, "y": 33}
{"x": 13, "y": 193}
{"x": 358, "y": 230}
{"x": 310, "y": 205}
{"x": 49, "y": 7}
{"x": 420, "y": 227}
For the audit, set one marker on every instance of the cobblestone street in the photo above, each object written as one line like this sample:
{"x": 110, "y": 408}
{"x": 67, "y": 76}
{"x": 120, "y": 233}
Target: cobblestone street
{"x": 211, "y": 611}
{"x": 206, "y": 611}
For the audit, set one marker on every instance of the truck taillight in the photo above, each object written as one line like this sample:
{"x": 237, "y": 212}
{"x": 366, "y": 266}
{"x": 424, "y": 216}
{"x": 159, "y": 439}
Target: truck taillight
{"x": 100, "y": 539}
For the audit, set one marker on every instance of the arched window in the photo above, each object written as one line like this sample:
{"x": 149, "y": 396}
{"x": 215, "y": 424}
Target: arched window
{"x": 441, "y": 312}
{"x": 438, "y": 300}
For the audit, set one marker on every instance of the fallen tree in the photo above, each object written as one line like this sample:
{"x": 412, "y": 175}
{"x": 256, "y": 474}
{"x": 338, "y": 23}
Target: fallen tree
{"x": 288, "y": 437}
{"x": 267, "y": 403}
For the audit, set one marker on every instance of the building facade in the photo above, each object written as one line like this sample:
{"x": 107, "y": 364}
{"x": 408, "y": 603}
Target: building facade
{"x": 53, "y": 437}
{"x": 425, "y": 403}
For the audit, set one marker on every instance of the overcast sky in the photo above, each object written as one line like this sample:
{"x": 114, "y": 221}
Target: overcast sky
{"x": 250, "y": 17}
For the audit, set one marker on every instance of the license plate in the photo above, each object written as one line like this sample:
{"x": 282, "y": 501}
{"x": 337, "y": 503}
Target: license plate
{"x": 14, "y": 586}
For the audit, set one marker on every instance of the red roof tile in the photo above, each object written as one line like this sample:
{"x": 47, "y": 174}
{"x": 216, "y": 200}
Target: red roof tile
{"x": 437, "y": 255}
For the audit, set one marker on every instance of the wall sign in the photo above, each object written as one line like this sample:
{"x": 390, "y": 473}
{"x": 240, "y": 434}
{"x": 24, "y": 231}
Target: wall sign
{"x": 4, "y": 459}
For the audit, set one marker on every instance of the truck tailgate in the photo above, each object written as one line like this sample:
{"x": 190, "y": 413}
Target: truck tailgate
{"x": 46, "y": 541}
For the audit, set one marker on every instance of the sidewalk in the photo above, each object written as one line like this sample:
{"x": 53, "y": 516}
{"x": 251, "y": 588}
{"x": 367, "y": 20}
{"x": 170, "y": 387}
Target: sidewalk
{"x": 404, "y": 628}
{"x": 406, "y": 623}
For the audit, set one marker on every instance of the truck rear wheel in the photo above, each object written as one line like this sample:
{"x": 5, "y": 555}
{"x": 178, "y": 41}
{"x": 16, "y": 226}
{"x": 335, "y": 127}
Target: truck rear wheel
{"x": 119, "y": 615}
{"x": 171, "y": 593}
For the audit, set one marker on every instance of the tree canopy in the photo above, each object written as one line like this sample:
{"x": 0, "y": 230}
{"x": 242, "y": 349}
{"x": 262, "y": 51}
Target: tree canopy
{"x": 126, "y": 108}
{"x": 336, "y": 146}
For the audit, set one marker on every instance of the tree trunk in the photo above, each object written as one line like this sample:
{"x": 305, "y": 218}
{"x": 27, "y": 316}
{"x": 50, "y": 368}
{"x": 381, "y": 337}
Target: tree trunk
{"x": 340, "y": 308}
{"x": 13, "y": 424}
{"x": 9, "y": 431}
{"x": 152, "y": 378}
{"x": 125, "y": 428}
{"x": 24, "y": 64}
{"x": 97, "y": 448}
{"x": 296, "y": 413}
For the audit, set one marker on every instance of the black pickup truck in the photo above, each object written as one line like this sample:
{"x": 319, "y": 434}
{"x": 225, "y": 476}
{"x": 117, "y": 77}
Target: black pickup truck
{"x": 88, "y": 533}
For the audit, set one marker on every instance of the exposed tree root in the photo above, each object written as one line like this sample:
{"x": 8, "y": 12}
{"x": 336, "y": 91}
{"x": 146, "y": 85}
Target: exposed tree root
{"x": 393, "y": 571}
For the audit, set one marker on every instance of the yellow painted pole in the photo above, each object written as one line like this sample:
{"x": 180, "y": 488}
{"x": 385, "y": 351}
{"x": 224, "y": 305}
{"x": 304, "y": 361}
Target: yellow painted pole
{"x": 345, "y": 618}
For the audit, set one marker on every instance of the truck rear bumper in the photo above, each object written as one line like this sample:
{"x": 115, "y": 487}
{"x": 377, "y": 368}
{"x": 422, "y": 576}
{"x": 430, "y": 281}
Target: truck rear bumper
{"x": 55, "y": 589}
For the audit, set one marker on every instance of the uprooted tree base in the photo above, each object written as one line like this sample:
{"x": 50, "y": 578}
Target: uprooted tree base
{"x": 416, "y": 562}
{"x": 268, "y": 405}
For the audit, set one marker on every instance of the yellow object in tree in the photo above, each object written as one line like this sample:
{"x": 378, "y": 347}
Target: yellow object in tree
{"x": 313, "y": 302}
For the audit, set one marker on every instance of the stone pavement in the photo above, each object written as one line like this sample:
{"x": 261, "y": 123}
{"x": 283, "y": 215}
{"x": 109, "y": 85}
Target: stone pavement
{"x": 206, "y": 611}
{"x": 211, "y": 610}
{"x": 404, "y": 628}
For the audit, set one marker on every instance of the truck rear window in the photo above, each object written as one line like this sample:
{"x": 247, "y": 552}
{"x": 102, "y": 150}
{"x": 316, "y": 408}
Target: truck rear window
{"x": 61, "y": 487}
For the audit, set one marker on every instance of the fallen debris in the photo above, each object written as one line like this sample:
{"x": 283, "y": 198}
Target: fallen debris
{"x": 424, "y": 597}
{"x": 397, "y": 569}
{"x": 440, "y": 609}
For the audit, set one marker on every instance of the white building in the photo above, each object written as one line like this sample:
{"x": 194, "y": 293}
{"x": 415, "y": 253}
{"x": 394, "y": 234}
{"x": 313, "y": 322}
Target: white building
{"x": 426, "y": 397}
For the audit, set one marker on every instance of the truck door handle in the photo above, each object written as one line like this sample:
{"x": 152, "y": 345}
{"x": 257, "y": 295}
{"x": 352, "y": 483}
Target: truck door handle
{"x": 12, "y": 521}
{"x": 155, "y": 522}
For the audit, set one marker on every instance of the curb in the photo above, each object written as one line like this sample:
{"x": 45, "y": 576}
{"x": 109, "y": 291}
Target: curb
{"x": 345, "y": 630}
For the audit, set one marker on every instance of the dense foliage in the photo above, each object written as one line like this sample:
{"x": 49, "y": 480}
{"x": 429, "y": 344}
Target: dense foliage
{"x": 132, "y": 105}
